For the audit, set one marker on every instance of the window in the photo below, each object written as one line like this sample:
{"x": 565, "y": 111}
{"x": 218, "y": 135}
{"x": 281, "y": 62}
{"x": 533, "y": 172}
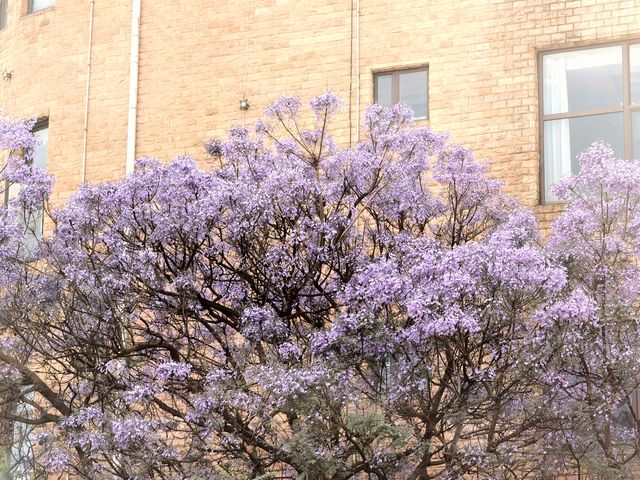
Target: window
{"x": 34, "y": 221}
{"x": 41, "y": 131}
{"x": 37, "y": 5}
{"x": 3, "y": 13}
{"x": 587, "y": 95}
{"x": 404, "y": 86}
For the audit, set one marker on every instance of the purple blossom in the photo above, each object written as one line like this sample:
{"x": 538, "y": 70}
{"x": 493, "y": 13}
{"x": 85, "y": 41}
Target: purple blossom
{"x": 262, "y": 323}
{"x": 56, "y": 461}
{"x": 176, "y": 370}
{"x": 140, "y": 394}
{"x": 289, "y": 351}
{"x": 326, "y": 104}
{"x": 284, "y": 108}
{"x": 17, "y": 134}
{"x": 83, "y": 417}
{"x": 214, "y": 148}
{"x": 133, "y": 430}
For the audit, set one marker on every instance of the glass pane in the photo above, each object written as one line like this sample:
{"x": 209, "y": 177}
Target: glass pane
{"x": 22, "y": 445}
{"x": 634, "y": 64}
{"x": 566, "y": 139}
{"x": 41, "y": 4}
{"x": 40, "y": 152}
{"x": 3, "y": 13}
{"x": 635, "y": 127}
{"x": 582, "y": 80}
{"x": 34, "y": 221}
{"x": 383, "y": 90}
{"x": 413, "y": 91}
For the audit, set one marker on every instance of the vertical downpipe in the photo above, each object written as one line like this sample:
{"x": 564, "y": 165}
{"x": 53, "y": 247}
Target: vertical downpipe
{"x": 86, "y": 96}
{"x": 133, "y": 86}
{"x": 357, "y": 71}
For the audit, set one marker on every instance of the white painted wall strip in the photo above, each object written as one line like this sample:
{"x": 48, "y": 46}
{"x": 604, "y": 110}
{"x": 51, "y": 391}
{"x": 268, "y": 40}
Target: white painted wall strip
{"x": 133, "y": 86}
{"x": 86, "y": 97}
{"x": 357, "y": 70}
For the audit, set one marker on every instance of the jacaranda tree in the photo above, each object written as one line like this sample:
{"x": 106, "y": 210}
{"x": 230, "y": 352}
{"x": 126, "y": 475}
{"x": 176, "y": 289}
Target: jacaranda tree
{"x": 300, "y": 310}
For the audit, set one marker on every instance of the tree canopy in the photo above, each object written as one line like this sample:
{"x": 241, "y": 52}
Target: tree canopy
{"x": 297, "y": 309}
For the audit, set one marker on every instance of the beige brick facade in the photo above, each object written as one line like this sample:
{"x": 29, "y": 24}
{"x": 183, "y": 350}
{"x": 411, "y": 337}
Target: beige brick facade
{"x": 199, "y": 58}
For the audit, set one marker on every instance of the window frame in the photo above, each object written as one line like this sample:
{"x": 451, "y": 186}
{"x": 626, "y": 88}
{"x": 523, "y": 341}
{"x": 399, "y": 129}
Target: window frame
{"x": 30, "y": 7}
{"x": 626, "y": 108}
{"x": 4, "y": 13}
{"x": 395, "y": 85}
{"x": 40, "y": 124}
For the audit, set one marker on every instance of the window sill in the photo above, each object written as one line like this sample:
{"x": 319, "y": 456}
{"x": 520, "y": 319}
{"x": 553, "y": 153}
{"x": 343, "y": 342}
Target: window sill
{"x": 40, "y": 12}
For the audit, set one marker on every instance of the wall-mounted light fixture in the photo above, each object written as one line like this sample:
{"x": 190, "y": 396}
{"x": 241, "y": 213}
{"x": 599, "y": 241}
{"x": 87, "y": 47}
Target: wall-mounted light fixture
{"x": 244, "y": 104}
{"x": 7, "y": 74}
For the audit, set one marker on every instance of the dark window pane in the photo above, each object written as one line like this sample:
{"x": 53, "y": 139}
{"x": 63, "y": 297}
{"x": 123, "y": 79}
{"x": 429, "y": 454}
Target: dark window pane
{"x": 413, "y": 91}
{"x": 582, "y": 80}
{"x": 566, "y": 139}
{"x": 634, "y": 64}
{"x": 383, "y": 90}
{"x": 3, "y": 13}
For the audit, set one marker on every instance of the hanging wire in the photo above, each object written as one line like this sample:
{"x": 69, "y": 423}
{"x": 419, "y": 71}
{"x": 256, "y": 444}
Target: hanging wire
{"x": 351, "y": 77}
{"x": 246, "y": 41}
{"x": 14, "y": 20}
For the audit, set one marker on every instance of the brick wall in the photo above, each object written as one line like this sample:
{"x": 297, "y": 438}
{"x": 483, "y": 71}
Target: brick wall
{"x": 199, "y": 58}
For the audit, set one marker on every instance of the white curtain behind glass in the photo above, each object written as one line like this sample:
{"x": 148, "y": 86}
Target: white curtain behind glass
{"x": 575, "y": 81}
{"x": 557, "y": 144}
